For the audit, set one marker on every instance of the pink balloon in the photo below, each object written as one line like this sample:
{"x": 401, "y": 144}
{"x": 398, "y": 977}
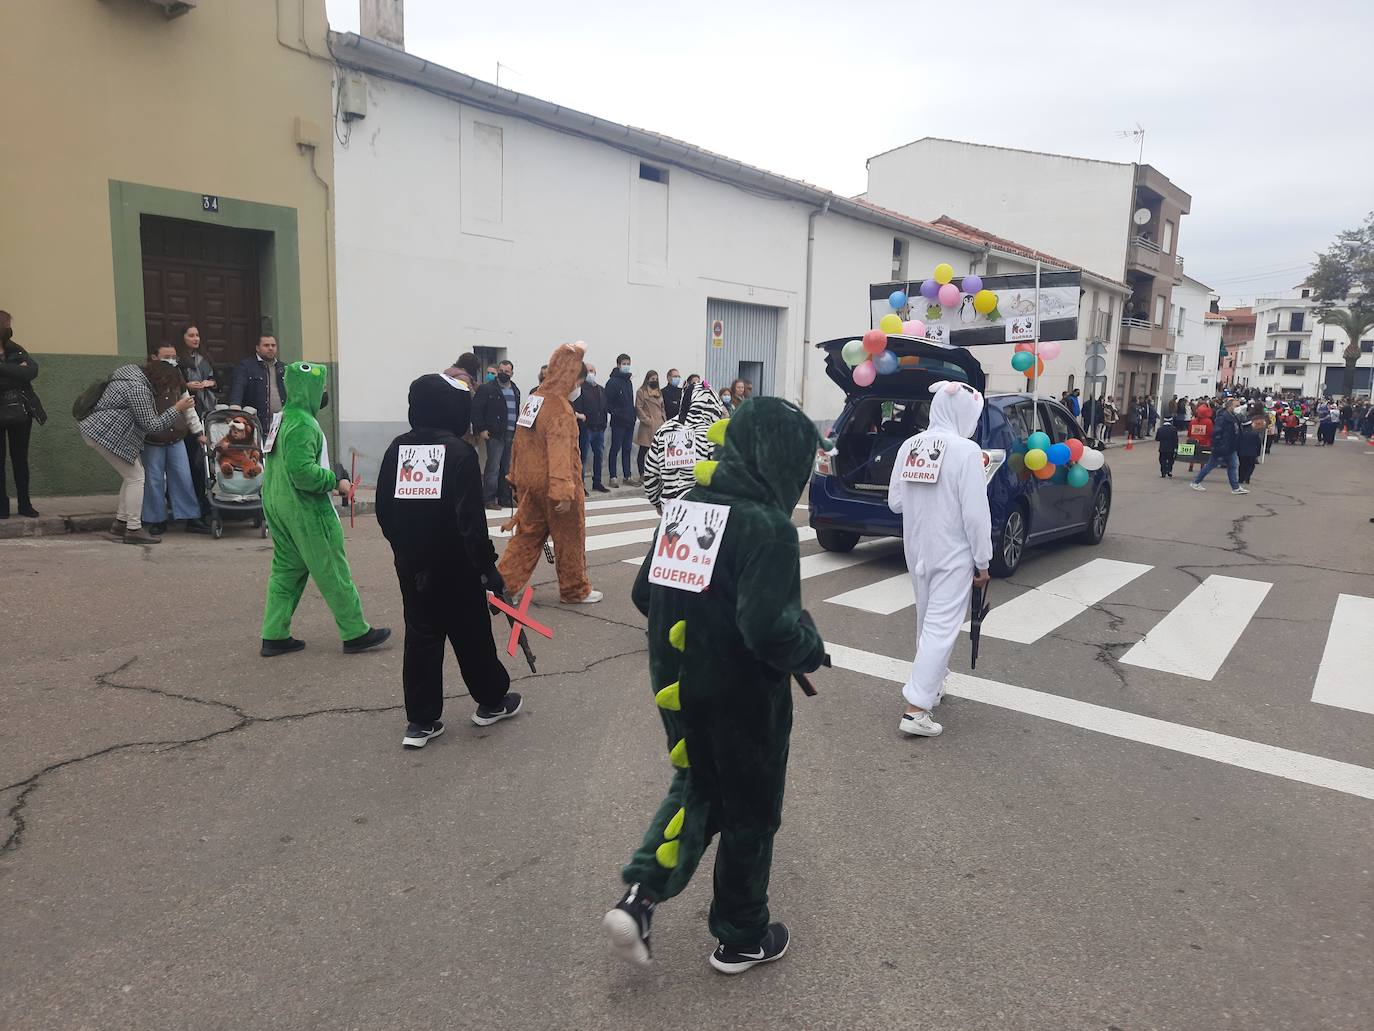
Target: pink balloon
{"x": 1049, "y": 350}
{"x": 949, "y": 295}
{"x": 914, "y": 328}
{"x": 865, "y": 374}
{"x": 875, "y": 341}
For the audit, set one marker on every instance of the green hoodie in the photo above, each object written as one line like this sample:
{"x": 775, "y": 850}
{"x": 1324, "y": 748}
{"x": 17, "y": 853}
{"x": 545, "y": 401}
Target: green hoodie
{"x": 293, "y": 466}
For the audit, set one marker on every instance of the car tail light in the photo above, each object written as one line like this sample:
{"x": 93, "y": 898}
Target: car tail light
{"x": 992, "y": 461}
{"x": 824, "y": 466}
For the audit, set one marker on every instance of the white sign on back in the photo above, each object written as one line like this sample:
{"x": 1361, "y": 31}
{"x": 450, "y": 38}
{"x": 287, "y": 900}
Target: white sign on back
{"x": 529, "y": 411}
{"x": 924, "y": 460}
{"x": 681, "y": 452}
{"x": 689, "y": 536}
{"x": 420, "y": 472}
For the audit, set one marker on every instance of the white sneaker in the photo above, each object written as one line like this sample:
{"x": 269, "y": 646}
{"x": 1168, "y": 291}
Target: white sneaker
{"x": 1240, "y": 490}
{"x": 591, "y": 598}
{"x": 614, "y": 482}
{"x": 919, "y": 724}
{"x": 1197, "y": 486}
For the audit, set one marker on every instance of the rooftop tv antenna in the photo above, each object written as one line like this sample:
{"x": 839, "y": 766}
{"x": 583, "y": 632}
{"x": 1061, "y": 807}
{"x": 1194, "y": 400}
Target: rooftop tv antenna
{"x": 1137, "y": 134}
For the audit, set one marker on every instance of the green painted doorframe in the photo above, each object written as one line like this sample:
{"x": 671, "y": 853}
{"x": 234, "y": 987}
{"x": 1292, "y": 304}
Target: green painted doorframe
{"x": 280, "y": 269}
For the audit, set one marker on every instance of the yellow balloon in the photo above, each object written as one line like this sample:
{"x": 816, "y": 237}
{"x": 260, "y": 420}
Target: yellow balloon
{"x": 1036, "y": 459}
{"x": 984, "y": 301}
{"x": 890, "y": 323}
{"x": 944, "y": 272}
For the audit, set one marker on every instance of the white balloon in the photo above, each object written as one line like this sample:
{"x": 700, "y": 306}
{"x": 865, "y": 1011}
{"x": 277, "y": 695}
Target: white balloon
{"x": 1091, "y": 459}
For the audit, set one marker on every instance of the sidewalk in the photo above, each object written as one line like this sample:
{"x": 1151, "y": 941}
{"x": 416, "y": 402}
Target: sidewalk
{"x": 92, "y": 513}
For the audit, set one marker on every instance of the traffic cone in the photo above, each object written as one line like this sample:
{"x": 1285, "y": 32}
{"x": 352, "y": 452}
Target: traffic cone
{"x": 1130, "y": 444}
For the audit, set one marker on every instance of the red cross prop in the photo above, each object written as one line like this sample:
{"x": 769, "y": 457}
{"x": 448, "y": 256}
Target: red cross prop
{"x": 520, "y": 614}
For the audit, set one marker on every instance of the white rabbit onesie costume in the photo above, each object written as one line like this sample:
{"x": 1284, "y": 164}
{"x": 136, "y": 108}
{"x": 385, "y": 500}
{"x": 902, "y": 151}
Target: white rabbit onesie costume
{"x": 938, "y": 486}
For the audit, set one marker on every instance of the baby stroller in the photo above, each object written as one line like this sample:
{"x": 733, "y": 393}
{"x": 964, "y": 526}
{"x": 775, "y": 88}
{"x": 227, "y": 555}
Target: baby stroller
{"x": 234, "y": 464}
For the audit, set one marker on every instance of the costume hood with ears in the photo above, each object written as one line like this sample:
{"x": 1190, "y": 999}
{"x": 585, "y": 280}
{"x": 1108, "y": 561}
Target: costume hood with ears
{"x": 305, "y": 383}
{"x": 440, "y": 403}
{"x": 955, "y": 408}
{"x": 565, "y": 368}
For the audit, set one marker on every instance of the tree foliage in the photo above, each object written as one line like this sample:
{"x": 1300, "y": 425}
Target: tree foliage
{"x": 1343, "y": 276}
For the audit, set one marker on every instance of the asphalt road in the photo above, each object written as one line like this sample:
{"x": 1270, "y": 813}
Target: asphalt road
{"x": 198, "y": 838}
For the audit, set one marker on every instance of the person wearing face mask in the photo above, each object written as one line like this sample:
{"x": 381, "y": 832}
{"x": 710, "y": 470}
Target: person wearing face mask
{"x": 649, "y": 410}
{"x": 620, "y": 407}
{"x": 727, "y": 400}
{"x": 947, "y": 534}
{"x": 1226, "y": 431}
{"x": 672, "y": 395}
{"x": 495, "y": 407}
{"x": 19, "y": 410}
{"x": 167, "y": 469}
{"x": 591, "y": 411}
{"x": 547, "y": 473}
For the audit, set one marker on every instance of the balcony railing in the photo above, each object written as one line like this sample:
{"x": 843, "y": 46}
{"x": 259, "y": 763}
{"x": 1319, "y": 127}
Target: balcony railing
{"x": 1276, "y": 329}
{"x": 1143, "y": 335}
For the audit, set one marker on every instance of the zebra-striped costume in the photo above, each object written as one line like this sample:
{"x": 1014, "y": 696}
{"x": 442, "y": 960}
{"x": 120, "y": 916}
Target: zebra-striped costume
{"x": 700, "y": 410}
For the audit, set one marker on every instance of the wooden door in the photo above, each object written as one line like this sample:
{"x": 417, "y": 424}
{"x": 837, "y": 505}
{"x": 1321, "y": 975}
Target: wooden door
{"x": 206, "y": 274}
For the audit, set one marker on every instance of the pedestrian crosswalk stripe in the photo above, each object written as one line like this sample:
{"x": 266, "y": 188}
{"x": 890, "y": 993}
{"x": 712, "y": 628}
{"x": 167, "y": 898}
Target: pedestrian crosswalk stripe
{"x": 1206, "y": 744}
{"x": 595, "y": 506}
{"x": 883, "y": 598}
{"x": 1030, "y": 616}
{"x": 831, "y": 561}
{"x": 1343, "y": 678}
{"x": 1197, "y": 635}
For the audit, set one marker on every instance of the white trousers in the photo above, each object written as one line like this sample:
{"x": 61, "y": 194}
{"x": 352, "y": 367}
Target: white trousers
{"x": 942, "y": 600}
{"x": 131, "y": 490}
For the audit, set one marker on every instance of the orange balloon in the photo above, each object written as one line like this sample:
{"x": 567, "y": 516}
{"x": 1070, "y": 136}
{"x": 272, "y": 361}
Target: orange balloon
{"x": 1045, "y": 471}
{"x": 1039, "y": 369}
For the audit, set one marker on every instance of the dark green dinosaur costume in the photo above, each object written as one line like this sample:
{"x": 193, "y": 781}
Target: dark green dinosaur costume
{"x": 307, "y": 540}
{"x": 720, "y": 663}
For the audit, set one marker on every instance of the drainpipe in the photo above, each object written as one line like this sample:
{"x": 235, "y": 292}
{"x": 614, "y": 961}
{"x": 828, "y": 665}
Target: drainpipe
{"x": 806, "y": 306}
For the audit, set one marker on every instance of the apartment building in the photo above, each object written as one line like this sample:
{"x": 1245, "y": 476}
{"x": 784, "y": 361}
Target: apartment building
{"x": 1192, "y": 361}
{"x": 1296, "y": 353}
{"x": 1121, "y": 219}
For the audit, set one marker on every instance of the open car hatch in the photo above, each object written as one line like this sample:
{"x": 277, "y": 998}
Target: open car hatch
{"x": 921, "y": 364}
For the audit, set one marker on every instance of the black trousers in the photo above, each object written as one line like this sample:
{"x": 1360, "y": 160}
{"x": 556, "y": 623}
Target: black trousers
{"x": 1247, "y": 466}
{"x": 18, "y": 439}
{"x": 195, "y": 454}
{"x": 444, "y": 605}
{"x": 1166, "y": 462}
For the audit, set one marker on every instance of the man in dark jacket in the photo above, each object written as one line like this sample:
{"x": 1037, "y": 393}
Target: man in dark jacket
{"x": 1225, "y": 440}
{"x": 429, "y": 506}
{"x": 672, "y": 395}
{"x": 620, "y": 405}
{"x": 590, "y": 407}
{"x": 259, "y": 382}
{"x": 496, "y": 406}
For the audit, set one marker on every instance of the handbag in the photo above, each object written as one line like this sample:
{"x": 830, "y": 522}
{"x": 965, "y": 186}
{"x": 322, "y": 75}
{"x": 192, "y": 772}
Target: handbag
{"x": 13, "y": 410}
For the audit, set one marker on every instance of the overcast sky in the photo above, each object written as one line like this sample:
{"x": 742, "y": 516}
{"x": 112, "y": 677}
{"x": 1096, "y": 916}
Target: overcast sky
{"x": 1260, "y": 110}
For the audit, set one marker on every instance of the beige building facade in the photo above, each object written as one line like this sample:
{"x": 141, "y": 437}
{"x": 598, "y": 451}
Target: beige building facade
{"x": 166, "y": 163}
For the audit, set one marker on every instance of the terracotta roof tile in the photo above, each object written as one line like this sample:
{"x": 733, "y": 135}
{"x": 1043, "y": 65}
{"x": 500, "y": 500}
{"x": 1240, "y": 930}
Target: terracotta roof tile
{"x": 975, "y": 235}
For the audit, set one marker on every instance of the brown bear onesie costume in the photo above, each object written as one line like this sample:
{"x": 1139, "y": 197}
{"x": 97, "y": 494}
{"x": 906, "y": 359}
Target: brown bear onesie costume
{"x": 546, "y": 470}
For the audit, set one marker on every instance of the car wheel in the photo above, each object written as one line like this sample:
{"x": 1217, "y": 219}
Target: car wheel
{"x": 1011, "y": 545}
{"x": 1097, "y": 520}
{"x": 837, "y": 540}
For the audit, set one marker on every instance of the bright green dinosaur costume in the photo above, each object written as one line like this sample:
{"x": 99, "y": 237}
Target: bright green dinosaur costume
{"x": 720, "y": 664}
{"x": 307, "y": 540}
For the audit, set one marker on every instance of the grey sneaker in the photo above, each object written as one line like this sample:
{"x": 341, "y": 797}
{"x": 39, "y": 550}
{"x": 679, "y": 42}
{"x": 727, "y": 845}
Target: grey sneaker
{"x": 118, "y": 529}
{"x": 140, "y": 536}
{"x": 1197, "y": 486}
{"x": 1240, "y": 490}
{"x": 614, "y": 482}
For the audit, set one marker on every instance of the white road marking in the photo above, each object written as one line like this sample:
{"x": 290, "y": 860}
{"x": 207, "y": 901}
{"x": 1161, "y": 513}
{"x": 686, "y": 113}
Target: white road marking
{"x": 1030, "y": 616}
{"x": 883, "y": 598}
{"x": 829, "y": 561}
{"x": 609, "y": 519}
{"x": 1343, "y": 678}
{"x": 1205, "y": 744}
{"x": 594, "y": 506}
{"x": 602, "y": 541}
{"x": 1195, "y": 638}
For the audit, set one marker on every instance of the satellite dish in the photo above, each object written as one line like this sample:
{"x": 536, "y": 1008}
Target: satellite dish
{"x": 1141, "y": 216}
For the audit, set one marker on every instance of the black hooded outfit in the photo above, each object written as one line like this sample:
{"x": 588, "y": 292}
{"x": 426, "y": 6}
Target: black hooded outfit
{"x": 445, "y": 561}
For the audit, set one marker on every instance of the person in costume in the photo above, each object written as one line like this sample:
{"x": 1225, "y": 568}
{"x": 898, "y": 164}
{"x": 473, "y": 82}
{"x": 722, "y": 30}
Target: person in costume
{"x": 546, "y": 469}
{"x": 720, "y": 660}
{"x": 940, "y": 490}
{"x": 666, "y": 478}
{"x": 307, "y": 540}
{"x": 430, "y": 508}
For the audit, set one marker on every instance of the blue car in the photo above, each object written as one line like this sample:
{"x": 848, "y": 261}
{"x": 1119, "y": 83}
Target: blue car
{"x": 848, "y": 496}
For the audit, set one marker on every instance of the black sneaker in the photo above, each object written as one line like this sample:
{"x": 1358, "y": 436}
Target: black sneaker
{"x": 377, "y": 635}
{"x": 628, "y": 927}
{"x": 418, "y": 734}
{"x": 197, "y": 526}
{"x": 601, "y": 488}
{"x": 485, "y": 717}
{"x": 731, "y": 960}
{"x": 280, "y": 647}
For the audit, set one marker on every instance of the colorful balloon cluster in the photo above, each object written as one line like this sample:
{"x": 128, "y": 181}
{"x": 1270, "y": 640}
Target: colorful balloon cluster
{"x": 1069, "y": 462}
{"x": 1027, "y": 360}
{"x": 870, "y": 358}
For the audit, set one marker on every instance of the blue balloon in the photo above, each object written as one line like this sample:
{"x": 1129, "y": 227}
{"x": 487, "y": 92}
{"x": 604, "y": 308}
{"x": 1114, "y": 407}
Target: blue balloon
{"x": 897, "y": 299}
{"x": 1059, "y": 454}
{"x": 1039, "y": 440}
{"x": 885, "y": 363}
{"x": 971, "y": 284}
